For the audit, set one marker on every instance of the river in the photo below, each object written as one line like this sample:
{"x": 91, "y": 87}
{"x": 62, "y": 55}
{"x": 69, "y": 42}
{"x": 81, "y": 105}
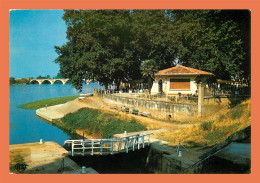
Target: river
{"x": 25, "y": 127}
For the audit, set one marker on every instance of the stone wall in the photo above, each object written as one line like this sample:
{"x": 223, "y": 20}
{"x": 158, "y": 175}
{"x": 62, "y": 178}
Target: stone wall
{"x": 160, "y": 161}
{"x": 152, "y": 104}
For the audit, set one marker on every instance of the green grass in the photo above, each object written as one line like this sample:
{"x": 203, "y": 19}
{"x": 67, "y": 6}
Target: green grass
{"x": 238, "y": 111}
{"x": 221, "y": 118}
{"x": 218, "y": 135}
{"x": 99, "y": 123}
{"x": 42, "y": 103}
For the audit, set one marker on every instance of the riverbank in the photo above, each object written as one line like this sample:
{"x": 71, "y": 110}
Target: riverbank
{"x": 106, "y": 113}
{"x": 47, "y": 102}
{"x": 200, "y": 132}
{"x": 87, "y": 121}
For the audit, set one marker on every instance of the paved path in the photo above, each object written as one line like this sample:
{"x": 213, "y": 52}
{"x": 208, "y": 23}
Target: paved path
{"x": 58, "y": 111}
{"x": 48, "y": 157}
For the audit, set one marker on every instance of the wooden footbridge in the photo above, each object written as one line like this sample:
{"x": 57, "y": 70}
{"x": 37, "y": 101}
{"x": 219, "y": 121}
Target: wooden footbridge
{"x": 111, "y": 146}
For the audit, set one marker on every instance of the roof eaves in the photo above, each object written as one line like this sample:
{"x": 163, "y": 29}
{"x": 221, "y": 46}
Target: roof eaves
{"x": 178, "y": 74}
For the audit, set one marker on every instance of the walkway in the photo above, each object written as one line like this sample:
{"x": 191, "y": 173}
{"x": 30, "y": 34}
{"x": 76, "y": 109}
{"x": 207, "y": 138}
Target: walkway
{"x": 55, "y": 112}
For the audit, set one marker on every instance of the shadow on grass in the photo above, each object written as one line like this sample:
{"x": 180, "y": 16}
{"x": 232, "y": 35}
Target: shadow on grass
{"x": 235, "y": 100}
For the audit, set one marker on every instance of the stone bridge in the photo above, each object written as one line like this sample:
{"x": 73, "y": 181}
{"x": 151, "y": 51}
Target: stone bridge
{"x": 52, "y": 81}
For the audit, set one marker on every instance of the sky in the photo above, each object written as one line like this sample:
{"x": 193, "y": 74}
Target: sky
{"x": 33, "y": 35}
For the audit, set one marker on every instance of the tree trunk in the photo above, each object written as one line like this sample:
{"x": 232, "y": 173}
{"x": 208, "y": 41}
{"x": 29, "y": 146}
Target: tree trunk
{"x": 150, "y": 84}
{"x": 117, "y": 86}
{"x": 106, "y": 86}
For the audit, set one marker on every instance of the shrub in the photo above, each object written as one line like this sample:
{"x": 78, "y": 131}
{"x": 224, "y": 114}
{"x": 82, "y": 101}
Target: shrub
{"x": 206, "y": 126}
{"x": 221, "y": 117}
{"x": 18, "y": 164}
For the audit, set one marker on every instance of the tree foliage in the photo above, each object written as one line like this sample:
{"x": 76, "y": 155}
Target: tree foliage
{"x": 214, "y": 41}
{"x": 43, "y": 77}
{"x": 109, "y": 46}
{"x": 148, "y": 69}
{"x": 11, "y": 80}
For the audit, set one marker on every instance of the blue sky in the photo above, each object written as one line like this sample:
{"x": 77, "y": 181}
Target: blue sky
{"x": 33, "y": 35}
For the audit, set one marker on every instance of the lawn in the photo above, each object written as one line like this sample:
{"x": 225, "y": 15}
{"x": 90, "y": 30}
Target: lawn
{"x": 100, "y": 124}
{"x": 50, "y": 102}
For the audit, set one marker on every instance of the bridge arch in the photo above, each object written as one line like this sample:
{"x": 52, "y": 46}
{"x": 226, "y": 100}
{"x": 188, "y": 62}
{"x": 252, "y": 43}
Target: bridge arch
{"x": 57, "y": 81}
{"x": 34, "y": 82}
{"x": 64, "y": 81}
{"x": 46, "y": 81}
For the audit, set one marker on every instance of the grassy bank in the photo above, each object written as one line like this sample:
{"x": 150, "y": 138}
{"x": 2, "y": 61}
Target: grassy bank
{"x": 42, "y": 103}
{"x": 99, "y": 124}
{"x": 209, "y": 133}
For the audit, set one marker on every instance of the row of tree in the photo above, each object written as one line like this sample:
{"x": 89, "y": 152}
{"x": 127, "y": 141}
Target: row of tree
{"x": 113, "y": 46}
{"x": 12, "y": 81}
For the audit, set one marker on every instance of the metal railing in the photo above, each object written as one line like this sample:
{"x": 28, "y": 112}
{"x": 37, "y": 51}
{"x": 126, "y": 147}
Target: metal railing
{"x": 109, "y": 146}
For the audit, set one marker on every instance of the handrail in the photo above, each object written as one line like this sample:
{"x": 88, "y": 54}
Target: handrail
{"x": 99, "y": 145}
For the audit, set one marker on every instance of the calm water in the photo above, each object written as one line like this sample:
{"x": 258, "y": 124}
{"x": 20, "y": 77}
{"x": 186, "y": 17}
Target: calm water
{"x": 25, "y": 127}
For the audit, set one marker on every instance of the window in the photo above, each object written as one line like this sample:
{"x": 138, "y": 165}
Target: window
{"x": 180, "y": 84}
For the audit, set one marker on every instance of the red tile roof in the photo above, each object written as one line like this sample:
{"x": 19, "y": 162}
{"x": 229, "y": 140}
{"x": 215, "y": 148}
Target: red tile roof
{"x": 181, "y": 70}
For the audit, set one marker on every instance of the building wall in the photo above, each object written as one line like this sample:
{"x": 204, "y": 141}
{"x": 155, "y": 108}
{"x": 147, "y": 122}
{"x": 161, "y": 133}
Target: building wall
{"x": 155, "y": 86}
{"x": 166, "y": 85}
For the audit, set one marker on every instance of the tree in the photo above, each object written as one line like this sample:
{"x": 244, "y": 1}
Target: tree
{"x": 153, "y": 37}
{"x": 59, "y": 76}
{"x": 98, "y": 47}
{"x": 211, "y": 40}
{"x": 148, "y": 69}
{"x": 109, "y": 46}
{"x": 11, "y": 80}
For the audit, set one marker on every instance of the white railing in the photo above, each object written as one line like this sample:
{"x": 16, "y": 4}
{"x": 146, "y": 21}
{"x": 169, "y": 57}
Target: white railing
{"x": 110, "y": 146}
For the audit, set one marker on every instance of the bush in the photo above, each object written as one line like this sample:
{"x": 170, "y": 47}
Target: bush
{"x": 221, "y": 117}
{"x": 206, "y": 126}
{"x": 18, "y": 165}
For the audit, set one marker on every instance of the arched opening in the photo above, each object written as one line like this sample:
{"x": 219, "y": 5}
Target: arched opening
{"x": 34, "y": 82}
{"x": 58, "y": 82}
{"x": 160, "y": 86}
{"x": 46, "y": 82}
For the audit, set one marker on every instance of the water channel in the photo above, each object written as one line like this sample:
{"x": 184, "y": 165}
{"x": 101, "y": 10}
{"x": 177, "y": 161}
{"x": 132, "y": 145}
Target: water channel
{"x": 25, "y": 127}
